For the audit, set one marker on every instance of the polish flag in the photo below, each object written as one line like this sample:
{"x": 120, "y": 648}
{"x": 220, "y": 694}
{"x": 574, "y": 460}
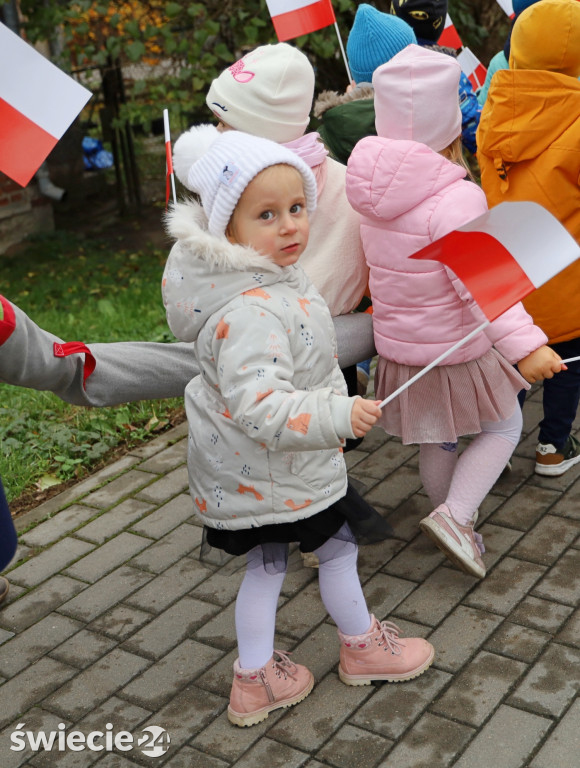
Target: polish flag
{"x": 472, "y": 67}
{"x": 450, "y": 37}
{"x": 293, "y": 18}
{"x": 507, "y": 6}
{"x": 504, "y": 255}
{"x": 38, "y": 102}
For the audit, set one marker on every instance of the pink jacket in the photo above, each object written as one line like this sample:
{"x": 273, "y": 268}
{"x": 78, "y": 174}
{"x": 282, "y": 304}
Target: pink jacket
{"x": 408, "y": 196}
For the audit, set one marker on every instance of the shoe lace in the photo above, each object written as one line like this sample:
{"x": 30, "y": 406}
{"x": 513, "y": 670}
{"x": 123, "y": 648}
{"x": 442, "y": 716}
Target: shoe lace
{"x": 389, "y": 637}
{"x": 283, "y": 666}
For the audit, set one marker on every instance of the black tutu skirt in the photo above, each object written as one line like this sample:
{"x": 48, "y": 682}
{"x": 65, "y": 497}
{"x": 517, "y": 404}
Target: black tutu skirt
{"x": 351, "y": 519}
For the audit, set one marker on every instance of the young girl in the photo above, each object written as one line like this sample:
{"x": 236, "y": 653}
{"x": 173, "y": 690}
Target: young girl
{"x": 268, "y": 414}
{"x": 410, "y": 194}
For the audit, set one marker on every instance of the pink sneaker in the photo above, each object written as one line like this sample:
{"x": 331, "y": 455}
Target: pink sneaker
{"x": 458, "y": 542}
{"x": 256, "y": 692}
{"x": 380, "y": 654}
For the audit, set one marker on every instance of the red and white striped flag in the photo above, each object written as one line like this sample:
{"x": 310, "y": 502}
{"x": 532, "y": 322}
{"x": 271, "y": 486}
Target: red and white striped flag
{"x": 507, "y": 6}
{"x": 504, "y": 255}
{"x": 293, "y": 18}
{"x": 472, "y": 67}
{"x": 38, "y": 102}
{"x": 450, "y": 36}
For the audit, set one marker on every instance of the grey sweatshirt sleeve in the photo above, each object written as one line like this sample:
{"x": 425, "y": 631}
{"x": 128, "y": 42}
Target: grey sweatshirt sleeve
{"x": 124, "y": 371}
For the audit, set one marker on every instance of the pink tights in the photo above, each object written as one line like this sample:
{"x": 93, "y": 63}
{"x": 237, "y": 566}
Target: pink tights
{"x": 462, "y": 483}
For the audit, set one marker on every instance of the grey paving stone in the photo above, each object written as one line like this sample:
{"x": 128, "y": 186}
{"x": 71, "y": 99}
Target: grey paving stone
{"x": 460, "y": 635}
{"x": 219, "y": 631}
{"x": 220, "y": 587}
{"x": 5, "y": 636}
{"x": 506, "y": 741}
{"x": 166, "y": 517}
{"x": 383, "y": 461}
{"x": 563, "y": 745}
{"x": 416, "y": 561}
{"x": 169, "y": 628}
{"x": 119, "y": 488}
{"x": 28, "y": 646}
{"x": 308, "y": 725}
{"x": 30, "y": 686}
{"x": 568, "y": 504}
{"x": 396, "y": 488}
{"x": 384, "y": 593}
{"x": 498, "y": 541}
{"x": 167, "y": 459}
{"x": 299, "y": 614}
{"x": 551, "y": 683}
{"x": 58, "y": 526}
{"x": 393, "y": 708}
{"x": 114, "y": 521}
{"x": 120, "y": 622}
{"x": 182, "y": 577}
{"x": 164, "y": 552}
{"x": 524, "y": 509}
{"x": 433, "y": 741}
{"x": 517, "y": 642}
{"x": 432, "y": 600}
{"x": 562, "y": 582}
{"x": 39, "y": 602}
{"x": 159, "y": 443}
{"x": 107, "y": 557}
{"x": 405, "y": 518}
{"x": 550, "y": 537}
{"x": 351, "y": 747}
{"x": 157, "y": 685}
{"x": 570, "y": 634}
{"x": 174, "y": 482}
{"x": 187, "y": 757}
{"x": 375, "y": 557}
{"x": 83, "y": 649}
{"x": 270, "y": 754}
{"x": 105, "y": 593}
{"x": 505, "y": 586}
{"x": 479, "y": 688}
{"x": 94, "y": 685}
{"x": 49, "y": 562}
{"x": 36, "y": 720}
{"x": 544, "y": 615}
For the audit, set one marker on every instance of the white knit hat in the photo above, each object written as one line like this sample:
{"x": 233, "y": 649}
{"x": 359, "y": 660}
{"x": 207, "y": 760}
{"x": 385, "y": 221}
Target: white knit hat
{"x": 219, "y": 166}
{"x": 267, "y": 93}
{"x": 417, "y": 97}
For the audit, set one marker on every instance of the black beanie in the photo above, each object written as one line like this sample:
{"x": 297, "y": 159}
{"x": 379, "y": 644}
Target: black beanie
{"x": 427, "y": 17}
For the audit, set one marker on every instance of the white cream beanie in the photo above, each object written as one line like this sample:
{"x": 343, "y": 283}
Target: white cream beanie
{"x": 267, "y": 93}
{"x": 417, "y": 97}
{"x": 219, "y": 166}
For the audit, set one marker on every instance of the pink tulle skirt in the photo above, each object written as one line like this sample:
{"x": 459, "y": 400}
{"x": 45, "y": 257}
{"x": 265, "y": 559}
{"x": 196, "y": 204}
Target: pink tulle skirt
{"x": 449, "y": 400}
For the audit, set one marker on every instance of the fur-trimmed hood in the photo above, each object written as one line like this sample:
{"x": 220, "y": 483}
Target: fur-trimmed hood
{"x": 214, "y": 270}
{"x": 329, "y": 99}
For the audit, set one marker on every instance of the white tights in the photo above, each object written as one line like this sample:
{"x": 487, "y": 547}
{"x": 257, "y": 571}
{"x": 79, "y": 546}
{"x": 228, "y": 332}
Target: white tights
{"x": 462, "y": 483}
{"x": 340, "y": 590}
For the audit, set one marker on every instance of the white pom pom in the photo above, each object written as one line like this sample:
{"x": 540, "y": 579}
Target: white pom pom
{"x": 190, "y": 146}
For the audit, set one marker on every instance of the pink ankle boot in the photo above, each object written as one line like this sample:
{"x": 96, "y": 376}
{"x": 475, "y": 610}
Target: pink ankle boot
{"x": 256, "y": 692}
{"x": 380, "y": 654}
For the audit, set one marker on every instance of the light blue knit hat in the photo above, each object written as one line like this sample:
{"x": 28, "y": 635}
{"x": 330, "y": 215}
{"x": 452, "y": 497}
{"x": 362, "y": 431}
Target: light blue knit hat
{"x": 374, "y": 39}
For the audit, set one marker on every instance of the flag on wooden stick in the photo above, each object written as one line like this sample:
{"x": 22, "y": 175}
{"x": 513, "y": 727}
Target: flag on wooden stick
{"x": 292, "y": 18}
{"x": 472, "y": 67}
{"x": 38, "y": 102}
{"x": 450, "y": 37}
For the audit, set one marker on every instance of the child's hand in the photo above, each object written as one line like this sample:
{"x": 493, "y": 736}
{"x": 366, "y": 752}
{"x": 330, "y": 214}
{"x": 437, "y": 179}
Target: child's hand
{"x": 540, "y": 364}
{"x": 363, "y": 415}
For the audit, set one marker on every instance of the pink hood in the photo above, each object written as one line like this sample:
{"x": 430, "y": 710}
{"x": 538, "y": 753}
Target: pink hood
{"x": 408, "y": 196}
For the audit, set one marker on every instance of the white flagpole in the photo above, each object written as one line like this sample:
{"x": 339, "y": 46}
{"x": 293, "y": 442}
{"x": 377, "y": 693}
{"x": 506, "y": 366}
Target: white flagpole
{"x": 435, "y": 362}
{"x": 169, "y": 160}
{"x": 343, "y": 53}
{"x": 571, "y": 359}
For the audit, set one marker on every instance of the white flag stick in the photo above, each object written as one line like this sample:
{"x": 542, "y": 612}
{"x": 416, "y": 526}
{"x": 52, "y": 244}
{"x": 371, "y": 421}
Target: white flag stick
{"x": 571, "y": 359}
{"x": 343, "y": 53}
{"x": 169, "y": 160}
{"x": 435, "y": 362}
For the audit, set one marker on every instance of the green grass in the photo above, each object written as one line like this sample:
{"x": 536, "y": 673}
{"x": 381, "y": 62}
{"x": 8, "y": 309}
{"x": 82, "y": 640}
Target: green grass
{"x": 82, "y": 289}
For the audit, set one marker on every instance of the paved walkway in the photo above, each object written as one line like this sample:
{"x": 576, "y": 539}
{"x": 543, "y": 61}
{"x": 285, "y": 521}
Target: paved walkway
{"x": 112, "y": 619}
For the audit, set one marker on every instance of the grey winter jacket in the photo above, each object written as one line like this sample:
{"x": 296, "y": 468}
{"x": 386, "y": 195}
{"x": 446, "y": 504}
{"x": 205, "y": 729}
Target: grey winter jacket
{"x": 268, "y": 414}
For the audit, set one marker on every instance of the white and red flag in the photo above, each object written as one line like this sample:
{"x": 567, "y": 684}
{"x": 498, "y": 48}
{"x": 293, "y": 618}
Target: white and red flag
{"x": 504, "y": 255}
{"x": 38, "y": 102}
{"x": 507, "y": 6}
{"x": 501, "y": 257}
{"x": 293, "y": 18}
{"x": 450, "y": 36}
{"x": 472, "y": 67}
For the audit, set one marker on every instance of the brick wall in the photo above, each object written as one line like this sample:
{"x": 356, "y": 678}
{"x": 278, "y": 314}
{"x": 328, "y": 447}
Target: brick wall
{"x": 23, "y": 211}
